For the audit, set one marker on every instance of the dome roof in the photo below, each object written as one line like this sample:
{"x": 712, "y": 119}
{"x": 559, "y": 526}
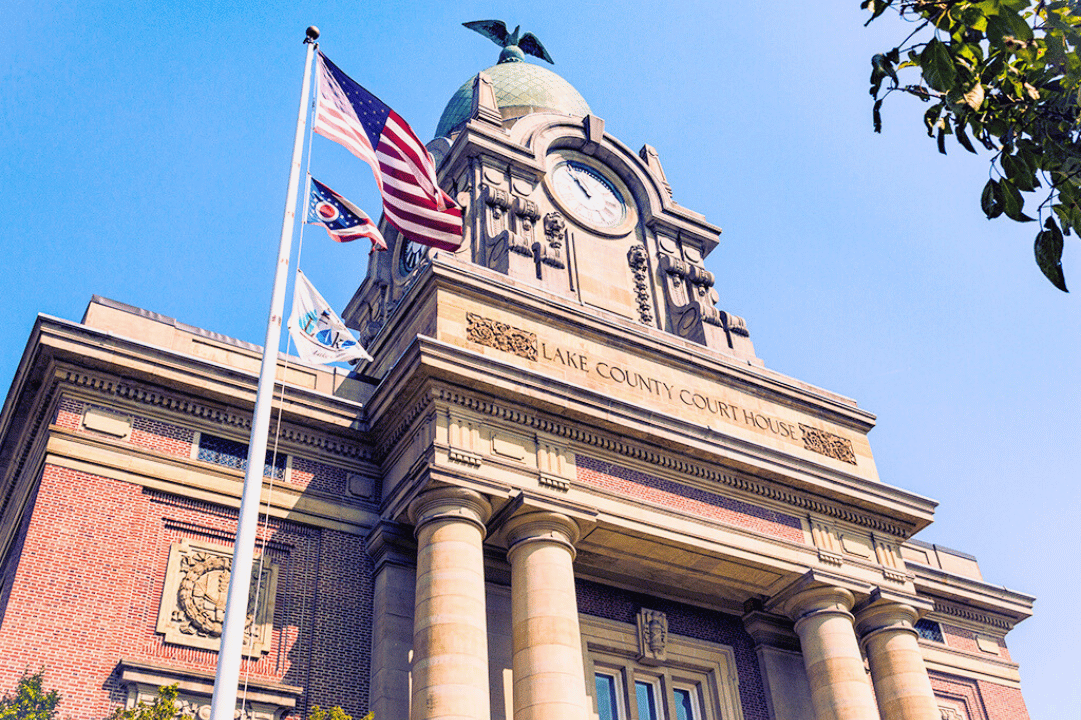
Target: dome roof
{"x": 520, "y": 88}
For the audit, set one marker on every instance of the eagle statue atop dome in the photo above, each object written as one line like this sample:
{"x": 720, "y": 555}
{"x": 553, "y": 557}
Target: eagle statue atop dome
{"x": 514, "y": 47}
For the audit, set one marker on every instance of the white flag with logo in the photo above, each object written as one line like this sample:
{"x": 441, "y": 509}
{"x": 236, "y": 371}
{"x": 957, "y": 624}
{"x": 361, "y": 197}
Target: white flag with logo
{"x": 320, "y": 335}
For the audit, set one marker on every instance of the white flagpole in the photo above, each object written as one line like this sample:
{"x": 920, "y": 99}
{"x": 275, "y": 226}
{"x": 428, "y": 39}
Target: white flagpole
{"x": 227, "y": 678}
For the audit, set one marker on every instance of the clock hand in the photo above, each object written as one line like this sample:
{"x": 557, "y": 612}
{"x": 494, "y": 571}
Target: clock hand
{"x": 574, "y": 176}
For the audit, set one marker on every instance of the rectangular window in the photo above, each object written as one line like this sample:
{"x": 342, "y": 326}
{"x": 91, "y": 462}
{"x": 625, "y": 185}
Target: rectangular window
{"x": 929, "y": 630}
{"x": 686, "y": 704}
{"x": 230, "y": 453}
{"x": 607, "y": 697}
{"x": 646, "y": 695}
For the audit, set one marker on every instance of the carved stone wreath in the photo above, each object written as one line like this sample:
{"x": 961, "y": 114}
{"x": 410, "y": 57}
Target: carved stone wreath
{"x": 203, "y": 591}
{"x": 193, "y": 599}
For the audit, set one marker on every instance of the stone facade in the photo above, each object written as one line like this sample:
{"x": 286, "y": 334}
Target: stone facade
{"x": 564, "y": 487}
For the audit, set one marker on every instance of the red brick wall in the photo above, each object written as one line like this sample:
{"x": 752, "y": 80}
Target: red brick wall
{"x": 981, "y": 700}
{"x": 89, "y": 580}
{"x": 693, "y": 501}
{"x": 146, "y": 434}
{"x": 1002, "y": 702}
{"x": 962, "y": 639}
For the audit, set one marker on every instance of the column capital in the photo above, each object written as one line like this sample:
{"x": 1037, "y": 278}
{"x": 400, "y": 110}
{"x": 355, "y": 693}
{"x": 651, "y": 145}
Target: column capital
{"x": 450, "y": 503}
{"x": 391, "y": 542}
{"x": 886, "y": 610}
{"x": 541, "y": 526}
{"x": 818, "y": 591}
{"x": 769, "y": 629}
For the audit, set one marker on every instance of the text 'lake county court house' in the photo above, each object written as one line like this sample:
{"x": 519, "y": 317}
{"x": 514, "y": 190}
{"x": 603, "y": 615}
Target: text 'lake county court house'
{"x": 566, "y": 487}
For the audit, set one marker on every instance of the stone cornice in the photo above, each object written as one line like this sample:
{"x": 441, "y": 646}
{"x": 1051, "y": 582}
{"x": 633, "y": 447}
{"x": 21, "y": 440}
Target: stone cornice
{"x": 427, "y": 356}
{"x": 222, "y": 417}
{"x": 100, "y": 351}
{"x": 971, "y": 600}
{"x": 650, "y": 456}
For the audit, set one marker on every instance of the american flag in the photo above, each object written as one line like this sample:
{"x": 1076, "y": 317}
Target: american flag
{"x": 412, "y": 199}
{"x": 343, "y": 220}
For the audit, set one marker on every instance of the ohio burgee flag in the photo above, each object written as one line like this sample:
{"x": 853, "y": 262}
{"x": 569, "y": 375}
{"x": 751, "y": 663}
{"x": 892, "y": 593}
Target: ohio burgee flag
{"x": 320, "y": 335}
{"x": 359, "y": 121}
{"x": 343, "y": 220}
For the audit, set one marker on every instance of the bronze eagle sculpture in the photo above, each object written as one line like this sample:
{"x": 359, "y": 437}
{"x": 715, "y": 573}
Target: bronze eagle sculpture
{"x": 513, "y": 46}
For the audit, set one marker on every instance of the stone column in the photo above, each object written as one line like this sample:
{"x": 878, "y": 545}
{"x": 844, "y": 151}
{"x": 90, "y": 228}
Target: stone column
{"x": 450, "y": 632}
{"x": 549, "y": 676}
{"x": 831, "y": 655}
{"x": 902, "y": 687}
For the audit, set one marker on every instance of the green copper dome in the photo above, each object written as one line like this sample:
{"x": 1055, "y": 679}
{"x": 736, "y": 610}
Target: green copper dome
{"x": 520, "y": 88}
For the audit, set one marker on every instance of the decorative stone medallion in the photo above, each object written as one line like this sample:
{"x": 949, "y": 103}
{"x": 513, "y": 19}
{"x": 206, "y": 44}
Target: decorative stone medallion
{"x": 196, "y": 588}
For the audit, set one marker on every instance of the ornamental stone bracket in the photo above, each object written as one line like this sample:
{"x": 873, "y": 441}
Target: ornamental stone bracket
{"x": 691, "y": 308}
{"x": 193, "y": 599}
{"x": 264, "y": 700}
{"x": 652, "y": 637}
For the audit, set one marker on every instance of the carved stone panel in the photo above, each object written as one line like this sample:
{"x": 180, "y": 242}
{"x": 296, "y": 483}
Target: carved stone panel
{"x": 828, "y": 444}
{"x": 501, "y": 336}
{"x": 193, "y": 601}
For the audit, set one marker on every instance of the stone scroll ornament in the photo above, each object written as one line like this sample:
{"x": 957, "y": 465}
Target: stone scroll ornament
{"x": 501, "y": 336}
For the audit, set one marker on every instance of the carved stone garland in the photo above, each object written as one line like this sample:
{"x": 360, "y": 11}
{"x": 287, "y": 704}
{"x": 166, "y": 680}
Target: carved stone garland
{"x": 639, "y": 262}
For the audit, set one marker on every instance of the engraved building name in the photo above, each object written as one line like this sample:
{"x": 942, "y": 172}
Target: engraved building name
{"x": 507, "y": 338}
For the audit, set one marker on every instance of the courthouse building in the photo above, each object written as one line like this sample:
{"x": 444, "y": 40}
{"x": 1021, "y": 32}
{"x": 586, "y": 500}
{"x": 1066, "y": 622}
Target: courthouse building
{"x": 565, "y": 488}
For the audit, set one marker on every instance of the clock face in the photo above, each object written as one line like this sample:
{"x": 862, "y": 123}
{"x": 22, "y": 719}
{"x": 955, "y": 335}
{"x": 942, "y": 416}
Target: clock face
{"x": 588, "y": 195}
{"x": 410, "y": 256}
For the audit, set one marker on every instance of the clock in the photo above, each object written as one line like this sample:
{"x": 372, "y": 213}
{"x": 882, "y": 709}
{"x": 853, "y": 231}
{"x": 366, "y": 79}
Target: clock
{"x": 588, "y": 194}
{"x": 409, "y": 256}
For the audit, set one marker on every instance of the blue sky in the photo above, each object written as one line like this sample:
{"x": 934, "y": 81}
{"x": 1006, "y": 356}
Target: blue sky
{"x": 146, "y": 145}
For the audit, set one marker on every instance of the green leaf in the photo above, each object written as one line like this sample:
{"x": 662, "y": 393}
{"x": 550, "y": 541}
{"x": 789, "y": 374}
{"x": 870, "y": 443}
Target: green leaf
{"x": 990, "y": 200}
{"x": 930, "y": 118}
{"x": 883, "y": 66}
{"x": 937, "y": 65}
{"x": 963, "y": 138}
{"x": 877, "y": 8}
{"x": 997, "y": 29}
{"x": 1018, "y": 171}
{"x": 1013, "y": 203}
{"x": 1048, "y": 251}
{"x": 1018, "y": 27}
